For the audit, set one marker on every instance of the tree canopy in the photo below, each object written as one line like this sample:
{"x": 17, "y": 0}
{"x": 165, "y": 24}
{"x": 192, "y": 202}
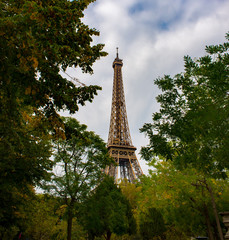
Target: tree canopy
{"x": 191, "y": 127}
{"x": 79, "y": 162}
{"x": 39, "y": 40}
{"x": 152, "y": 225}
{"x": 183, "y": 200}
{"x": 108, "y": 211}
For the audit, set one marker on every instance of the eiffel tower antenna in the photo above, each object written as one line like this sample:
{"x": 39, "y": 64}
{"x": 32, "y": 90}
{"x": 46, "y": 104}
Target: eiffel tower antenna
{"x": 119, "y": 141}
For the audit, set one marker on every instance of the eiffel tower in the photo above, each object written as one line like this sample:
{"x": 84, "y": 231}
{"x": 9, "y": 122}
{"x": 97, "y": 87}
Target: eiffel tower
{"x": 119, "y": 141}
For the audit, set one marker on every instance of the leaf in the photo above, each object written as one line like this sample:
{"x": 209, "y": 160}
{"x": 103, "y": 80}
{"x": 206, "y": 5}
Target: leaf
{"x": 28, "y": 90}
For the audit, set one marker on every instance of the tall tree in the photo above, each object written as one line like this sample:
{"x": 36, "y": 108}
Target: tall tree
{"x": 108, "y": 211}
{"x": 79, "y": 161}
{"x": 39, "y": 40}
{"x": 191, "y": 128}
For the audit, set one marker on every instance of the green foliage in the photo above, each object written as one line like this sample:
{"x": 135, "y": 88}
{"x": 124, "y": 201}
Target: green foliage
{"x": 79, "y": 160}
{"x": 152, "y": 225}
{"x": 14, "y": 211}
{"x": 108, "y": 211}
{"x": 131, "y": 192}
{"x": 25, "y": 152}
{"x": 191, "y": 127}
{"x": 39, "y": 40}
{"x": 182, "y": 199}
{"x": 44, "y": 218}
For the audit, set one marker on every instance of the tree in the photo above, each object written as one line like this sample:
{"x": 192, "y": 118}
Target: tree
{"x": 25, "y": 152}
{"x": 107, "y": 211}
{"x": 152, "y": 225}
{"x": 39, "y": 40}
{"x": 38, "y": 218}
{"x": 131, "y": 191}
{"x": 184, "y": 203}
{"x": 191, "y": 128}
{"x": 43, "y": 219}
{"x": 79, "y": 161}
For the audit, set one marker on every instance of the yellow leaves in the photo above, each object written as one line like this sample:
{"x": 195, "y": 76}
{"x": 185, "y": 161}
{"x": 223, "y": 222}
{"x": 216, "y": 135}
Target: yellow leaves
{"x": 131, "y": 191}
{"x": 23, "y": 63}
{"x": 59, "y": 133}
{"x": 26, "y": 116}
{"x": 34, "y": 16}
{"x": 34, "y": 125}
{"x": 28, "y": 90}
{"x": 58, "y": 127}
{"x": 61, "y": 210}
{"x": 27, "y": 63}
{"x": 191, "y": 190}
{"x": 35, "y": 62}
{"x": 33, "y": 92}
{"x": 167, "y": 196}
{"x": 213, "y": 181}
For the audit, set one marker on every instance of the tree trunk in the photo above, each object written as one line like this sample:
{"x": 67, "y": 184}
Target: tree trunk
{"x": 69, "y": 227}
{"x": 108, "y": 235}
{"x": 208, "y": 223}
{"x": 215, "y": 212}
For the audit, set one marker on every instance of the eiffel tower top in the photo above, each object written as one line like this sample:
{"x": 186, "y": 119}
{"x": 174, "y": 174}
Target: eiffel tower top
{"x": 119, "y": 141}
{"x": 119, "y": 133}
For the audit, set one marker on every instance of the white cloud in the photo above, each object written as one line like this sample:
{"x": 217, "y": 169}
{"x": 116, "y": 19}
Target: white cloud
{"x": 152, "y": 36}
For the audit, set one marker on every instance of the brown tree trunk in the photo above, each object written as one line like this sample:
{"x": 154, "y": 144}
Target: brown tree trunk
{"x": 215, "y": 212}
{"x": 108, "y": 235}
{"x": 208, "y": 223}
{"x": 69, "y": 227}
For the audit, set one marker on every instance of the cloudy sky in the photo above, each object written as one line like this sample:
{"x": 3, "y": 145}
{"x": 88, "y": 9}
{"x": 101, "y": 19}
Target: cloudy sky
{"x": 153, "y": 36}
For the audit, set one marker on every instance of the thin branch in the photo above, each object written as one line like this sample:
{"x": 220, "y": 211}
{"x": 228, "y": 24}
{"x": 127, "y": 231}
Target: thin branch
{"x": 74, "y": 79}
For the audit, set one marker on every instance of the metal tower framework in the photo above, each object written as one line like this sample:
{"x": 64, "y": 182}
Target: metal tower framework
{"x": 119, "y": 141}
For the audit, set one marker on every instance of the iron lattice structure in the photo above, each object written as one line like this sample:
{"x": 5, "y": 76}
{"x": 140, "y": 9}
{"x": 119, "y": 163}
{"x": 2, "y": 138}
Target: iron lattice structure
{"x": 119, "y": 141}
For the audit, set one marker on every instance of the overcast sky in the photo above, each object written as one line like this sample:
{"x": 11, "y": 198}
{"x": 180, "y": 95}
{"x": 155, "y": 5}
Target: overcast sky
{"x": 153, "y": 36}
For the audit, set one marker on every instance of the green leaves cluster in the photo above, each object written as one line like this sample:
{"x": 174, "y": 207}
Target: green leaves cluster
{"x": 190, "y": 132}
{"x": 25, "y": 151}
{"x": 79, "y": 162}
{"x": 191, "y": 127}
{"x": 39, "y": 40}
{"x": 152, "y": 225}
{"x": 108, "y": 211}
{"x": 183, "y": 199}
